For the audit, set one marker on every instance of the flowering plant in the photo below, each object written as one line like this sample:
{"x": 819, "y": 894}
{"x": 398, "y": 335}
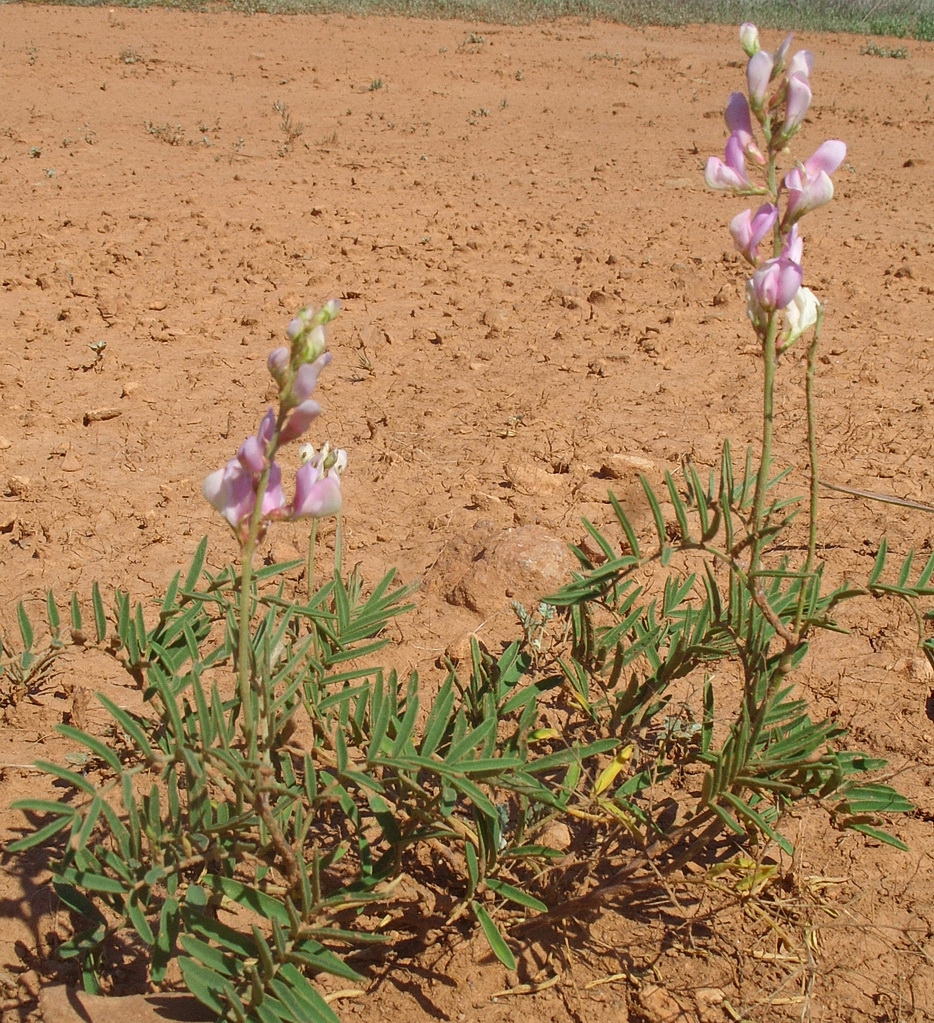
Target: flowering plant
{"x": 781, "y": 309}
{"x": 246, "y": 824}
{"x": 248, "y": 490}
{"x": 750, "y": 606}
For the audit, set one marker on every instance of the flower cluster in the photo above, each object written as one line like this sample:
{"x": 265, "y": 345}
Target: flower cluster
{"x": 779, "y": 95}
{"x": 254, "y": 474}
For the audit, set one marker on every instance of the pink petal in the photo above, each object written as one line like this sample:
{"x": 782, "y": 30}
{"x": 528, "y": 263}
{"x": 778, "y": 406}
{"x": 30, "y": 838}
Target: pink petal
{"x": 798, "y": 101}
{"x": 315, "y": 495}
{"x": 737, "y": 114}
{"x": 758, "y": 75}
{"x": 827, "y": 157}
{"x": 300, "y": 418}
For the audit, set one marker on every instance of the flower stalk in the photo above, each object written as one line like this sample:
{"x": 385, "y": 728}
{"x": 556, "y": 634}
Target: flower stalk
{"x": 248, "y": 493}
{"x": 762, "y": 123}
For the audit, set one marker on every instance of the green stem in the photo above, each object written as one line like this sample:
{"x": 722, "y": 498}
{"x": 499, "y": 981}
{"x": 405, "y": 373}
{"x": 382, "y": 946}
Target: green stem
{"x": 310, "y": 568}
{"x": 245, "y": 633}
{"x": 812, "y": 440}
{"x": 814, "y": 481}
{"x": 770, "y": 360}
{"x": 339, "y": 546}
{"x": 253, "y": 716}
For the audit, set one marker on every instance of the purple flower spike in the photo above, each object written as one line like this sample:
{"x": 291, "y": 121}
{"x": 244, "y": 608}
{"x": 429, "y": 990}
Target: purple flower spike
{"x": 797, "y": 103}
{"x": 233, "y": 490}
{"x": 758, "y": 76}
{"x": 776, "y": 283}
{"x": 316, "y": 494}
{"x": 748, "y": 229}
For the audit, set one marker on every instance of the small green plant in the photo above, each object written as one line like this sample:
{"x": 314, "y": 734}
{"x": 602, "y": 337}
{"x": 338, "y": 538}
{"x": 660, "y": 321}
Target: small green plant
{"x": 170, "y": 134}
{"x": 614, "y": 58}
{"x": 872, "y": 49}
{"x": 291, "y": 130}
{"x": 130, "y": 56}
{"x": 375, "y": 85}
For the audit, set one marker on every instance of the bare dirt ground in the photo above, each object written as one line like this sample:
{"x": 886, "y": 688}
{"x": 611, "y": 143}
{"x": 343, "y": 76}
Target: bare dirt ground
{"x": 534, "y": 280}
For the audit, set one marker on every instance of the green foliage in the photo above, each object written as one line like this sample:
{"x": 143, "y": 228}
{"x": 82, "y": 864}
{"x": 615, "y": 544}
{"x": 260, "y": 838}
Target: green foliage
{"x": 258, "y": 873}
{"x": 253, "y": 868}
{"x": 629, "y": 653}
{"x": 254, "y": 821}
{"x": 900, "y": 18}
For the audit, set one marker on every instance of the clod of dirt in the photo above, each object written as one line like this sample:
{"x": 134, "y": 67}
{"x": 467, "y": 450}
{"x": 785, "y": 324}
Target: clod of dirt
{"x": 61, "y": 1004}
{"x": 18, "y": 486}
{"x": 661, "y": 1006}
{"x": 522, "y": 564}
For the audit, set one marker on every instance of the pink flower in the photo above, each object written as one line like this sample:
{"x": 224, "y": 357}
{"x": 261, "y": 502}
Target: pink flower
{"x": 802, "y": 63}
{"x": 230, "y": 491}
{"x": 758, "y": 76}
{"x": 809, "y": 185}
{"x": 730, "y": 173}
{"x": 304, "y": 408}
{"x": 776, "y": 283}
{"x": 316, "y": 493}
{"x": 300, "y": 418}
{"x": 274, "y": 503}
{"x": 806, "y": 194}
{"x": 278, "y": 364}
{"x": 736, "y": 114}
{"x": 306, "y": 378}
{"x": 797, "y": 102}
{"x": 793, "y": 247}
{"x": 748, "y": 229}
{"x": 252, "y": 453}
{"x": 827, "y": 157}
{"x": 738, "y": 120}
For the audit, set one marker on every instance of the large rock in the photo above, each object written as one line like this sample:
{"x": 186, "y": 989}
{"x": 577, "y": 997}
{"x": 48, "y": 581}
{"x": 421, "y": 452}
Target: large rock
{"x": 488, "y": 571}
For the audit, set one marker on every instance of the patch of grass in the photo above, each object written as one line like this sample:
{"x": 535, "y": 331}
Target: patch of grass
{"x": 873, "y": 50}
{"x": 899, "y": 18}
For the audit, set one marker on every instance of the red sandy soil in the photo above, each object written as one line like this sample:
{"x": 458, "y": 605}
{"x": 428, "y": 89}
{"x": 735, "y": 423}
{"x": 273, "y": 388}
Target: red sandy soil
{"x": 534, "y": 280}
